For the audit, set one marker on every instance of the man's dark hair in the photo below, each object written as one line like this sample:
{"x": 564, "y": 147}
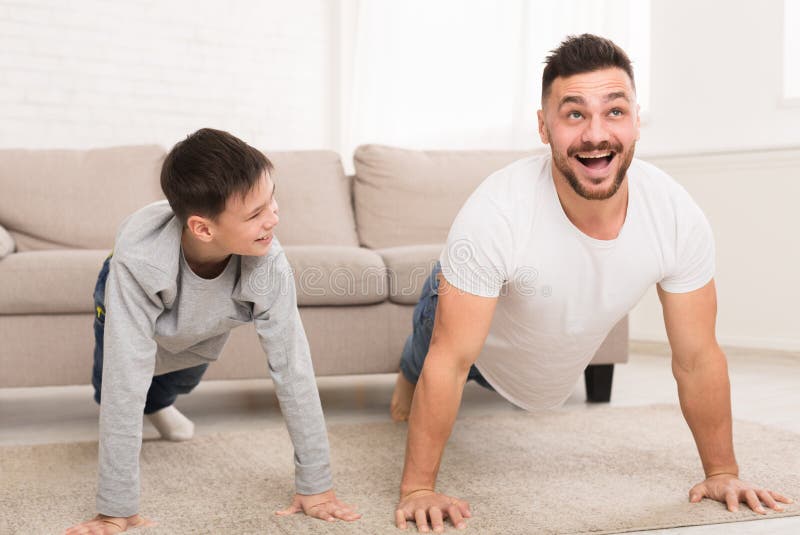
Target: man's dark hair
{"x": 204, "y": 170}
{"x": 581, "y": 54}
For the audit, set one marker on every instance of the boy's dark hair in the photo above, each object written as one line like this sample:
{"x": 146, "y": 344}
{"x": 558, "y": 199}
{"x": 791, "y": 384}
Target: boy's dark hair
{"x": 581, "y": 54}
{"x": 204, "y": 170}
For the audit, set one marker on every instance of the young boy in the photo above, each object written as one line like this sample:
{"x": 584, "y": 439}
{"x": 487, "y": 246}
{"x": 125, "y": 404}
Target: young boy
{"x": 183, "y": 273}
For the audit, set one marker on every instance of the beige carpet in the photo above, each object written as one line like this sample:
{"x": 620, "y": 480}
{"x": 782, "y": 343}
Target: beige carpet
{"x": 599, "y": 471}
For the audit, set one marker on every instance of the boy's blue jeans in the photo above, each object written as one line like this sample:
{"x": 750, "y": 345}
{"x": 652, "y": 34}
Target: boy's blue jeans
{"x": 416, "y": 347}
{"x": 165, "y": 388}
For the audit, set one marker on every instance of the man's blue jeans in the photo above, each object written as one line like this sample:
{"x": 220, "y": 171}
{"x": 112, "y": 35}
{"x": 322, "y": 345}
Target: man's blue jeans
{"x": 165, "y": 388}
{"x": 416, "y": 347}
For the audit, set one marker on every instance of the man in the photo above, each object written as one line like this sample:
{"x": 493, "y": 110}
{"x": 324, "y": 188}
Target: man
{"x": 596, "y": 228}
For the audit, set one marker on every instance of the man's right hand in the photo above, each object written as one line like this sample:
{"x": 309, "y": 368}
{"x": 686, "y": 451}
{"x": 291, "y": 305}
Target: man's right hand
{"x": 424, "y": 505}
{"x": 107, "y": 525}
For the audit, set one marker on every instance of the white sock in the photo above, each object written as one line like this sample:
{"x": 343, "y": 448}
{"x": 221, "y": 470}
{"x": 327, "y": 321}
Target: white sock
{"x": 171, "y": 424}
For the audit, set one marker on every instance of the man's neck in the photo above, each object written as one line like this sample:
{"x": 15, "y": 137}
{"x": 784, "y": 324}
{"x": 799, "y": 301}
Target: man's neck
{"x": 204, "y": 259}
{"x": 601, "y": 220}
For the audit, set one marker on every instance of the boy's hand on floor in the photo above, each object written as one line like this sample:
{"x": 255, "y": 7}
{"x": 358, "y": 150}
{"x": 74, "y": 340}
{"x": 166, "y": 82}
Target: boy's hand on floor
{"x": 324, "y": 506}
{"x": 107, "y": 525}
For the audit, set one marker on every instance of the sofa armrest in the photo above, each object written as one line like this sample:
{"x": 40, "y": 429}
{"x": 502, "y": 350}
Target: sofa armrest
{"x": 7, "y": 245}
{"x": 614, "y": 349}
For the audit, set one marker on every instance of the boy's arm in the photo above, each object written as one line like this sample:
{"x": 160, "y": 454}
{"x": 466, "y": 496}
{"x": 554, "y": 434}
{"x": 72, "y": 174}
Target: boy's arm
{"x": 128, "y": 366}
{"x": 282, "y": 336}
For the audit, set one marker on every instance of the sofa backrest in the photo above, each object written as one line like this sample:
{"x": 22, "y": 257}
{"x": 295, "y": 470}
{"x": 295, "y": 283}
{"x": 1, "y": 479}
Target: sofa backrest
{"x": 405, "y": 197}
{"x": 314, "y": 199}
{"x": 53, "y": 199}
{"x": 75, "y": 198}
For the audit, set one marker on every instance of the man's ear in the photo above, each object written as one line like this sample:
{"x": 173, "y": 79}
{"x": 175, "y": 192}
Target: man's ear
{"x": 200, "y": 227}
{"x": 638, "y": 122}
{"x": 542, "y": 128}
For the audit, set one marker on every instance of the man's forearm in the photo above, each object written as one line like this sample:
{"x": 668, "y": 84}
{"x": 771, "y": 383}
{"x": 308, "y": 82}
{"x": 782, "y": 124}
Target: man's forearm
{"x": 704, "y": 392}
{"x": 433, "y": 412}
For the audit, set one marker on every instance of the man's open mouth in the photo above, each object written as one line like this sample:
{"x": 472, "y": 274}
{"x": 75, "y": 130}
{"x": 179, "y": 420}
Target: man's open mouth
{"x": 595, "y": 160}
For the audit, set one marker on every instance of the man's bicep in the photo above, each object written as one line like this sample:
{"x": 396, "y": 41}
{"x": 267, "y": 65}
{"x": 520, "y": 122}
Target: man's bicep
{"x": 462, "y": 322}
{"x": 690, "y": 320}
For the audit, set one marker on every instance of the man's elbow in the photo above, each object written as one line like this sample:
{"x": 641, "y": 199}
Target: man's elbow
{"x": 453, "y": 357}
{"x": 700, "y": 360}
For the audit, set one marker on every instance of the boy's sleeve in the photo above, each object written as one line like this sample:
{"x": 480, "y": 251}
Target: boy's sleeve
{"x": 128, "y": 366}
{"x": 284, "y": 340}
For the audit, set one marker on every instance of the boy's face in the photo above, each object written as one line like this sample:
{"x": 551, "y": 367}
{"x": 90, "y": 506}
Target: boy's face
{"x": 246, "y": 225}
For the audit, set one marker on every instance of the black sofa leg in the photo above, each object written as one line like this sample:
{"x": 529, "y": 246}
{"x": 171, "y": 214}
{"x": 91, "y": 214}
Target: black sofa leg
{"x": 598, "y": 382}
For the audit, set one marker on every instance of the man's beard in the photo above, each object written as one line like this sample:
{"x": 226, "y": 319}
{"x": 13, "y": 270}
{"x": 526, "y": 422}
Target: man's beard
{"x": 561, "y": 163}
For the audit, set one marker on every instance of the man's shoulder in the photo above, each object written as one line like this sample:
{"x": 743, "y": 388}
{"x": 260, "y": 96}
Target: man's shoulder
{"x": 662, "y": 192}
{"x": 516, "y": 181}
{"x": 654, "y": 180}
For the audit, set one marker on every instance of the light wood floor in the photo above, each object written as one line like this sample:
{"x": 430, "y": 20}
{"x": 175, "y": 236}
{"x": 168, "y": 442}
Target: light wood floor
{"x": 765, "y": 386}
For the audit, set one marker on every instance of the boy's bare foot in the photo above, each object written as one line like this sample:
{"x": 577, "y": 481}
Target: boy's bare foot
{"x": 401, "y": 398}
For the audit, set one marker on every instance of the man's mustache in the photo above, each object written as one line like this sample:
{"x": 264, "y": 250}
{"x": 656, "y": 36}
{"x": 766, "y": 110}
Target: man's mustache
{"x": 590, "y": 147}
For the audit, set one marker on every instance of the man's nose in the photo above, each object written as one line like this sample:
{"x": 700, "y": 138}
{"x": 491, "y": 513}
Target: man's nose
{"x": 595, "y": 131}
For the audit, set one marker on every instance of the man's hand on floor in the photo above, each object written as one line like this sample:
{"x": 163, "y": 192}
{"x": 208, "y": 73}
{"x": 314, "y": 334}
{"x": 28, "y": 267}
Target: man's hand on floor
{"x": 325, "y": 506}
{"x": 730, "y": 490}
{"x": 422, "y": 505}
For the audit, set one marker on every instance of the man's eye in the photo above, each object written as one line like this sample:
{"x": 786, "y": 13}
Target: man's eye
{"x": 616, "y": 113}
{"x": 574, "y": 115}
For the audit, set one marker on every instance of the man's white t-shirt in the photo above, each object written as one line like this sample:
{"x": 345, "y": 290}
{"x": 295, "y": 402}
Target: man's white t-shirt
{"x": 561, "y": 291}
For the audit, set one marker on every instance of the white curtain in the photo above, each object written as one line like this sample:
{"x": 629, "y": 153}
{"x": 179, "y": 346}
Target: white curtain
{"x": 450, "y": 74}
{"x": 791, "y": 49}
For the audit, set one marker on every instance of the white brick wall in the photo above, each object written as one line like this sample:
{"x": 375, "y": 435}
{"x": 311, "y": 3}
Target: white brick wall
{"x": 98, "y": 73}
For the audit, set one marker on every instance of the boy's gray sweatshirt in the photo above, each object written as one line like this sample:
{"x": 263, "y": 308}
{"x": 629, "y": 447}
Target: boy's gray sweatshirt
{"x": 161, "y": 317}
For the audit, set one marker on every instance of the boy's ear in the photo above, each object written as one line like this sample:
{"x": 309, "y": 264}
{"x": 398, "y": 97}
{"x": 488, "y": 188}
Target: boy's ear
{"x": 200, "y": 228}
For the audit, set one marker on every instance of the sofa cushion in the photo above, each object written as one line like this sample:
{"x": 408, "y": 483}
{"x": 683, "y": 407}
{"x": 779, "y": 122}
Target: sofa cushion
{"x": 76, "y": 198}
{"x": 25, "y": 242}
{"x": 6, "y": 243}
{"x": 337, "y": 275}
{"x": 62, "y": 281}
{"x": 49, "y": 282}
{"x": 408, "y": 268}
{"x": 406, "y": 197}
{"x": 314, "y": 198}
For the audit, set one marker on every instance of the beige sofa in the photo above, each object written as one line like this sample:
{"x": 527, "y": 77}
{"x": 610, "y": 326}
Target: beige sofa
{"x": 361, "y": 247}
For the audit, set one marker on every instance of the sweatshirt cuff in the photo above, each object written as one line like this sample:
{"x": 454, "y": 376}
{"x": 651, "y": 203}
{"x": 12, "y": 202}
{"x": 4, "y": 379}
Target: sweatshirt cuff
{"x": 116, "y": 509}
{"x": 313, "y": 479}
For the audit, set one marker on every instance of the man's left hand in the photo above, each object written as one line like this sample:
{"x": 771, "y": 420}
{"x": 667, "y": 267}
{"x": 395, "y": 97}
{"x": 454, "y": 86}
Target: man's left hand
{"x": 325, "y": 506}
{"x": 730, "y": 490}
